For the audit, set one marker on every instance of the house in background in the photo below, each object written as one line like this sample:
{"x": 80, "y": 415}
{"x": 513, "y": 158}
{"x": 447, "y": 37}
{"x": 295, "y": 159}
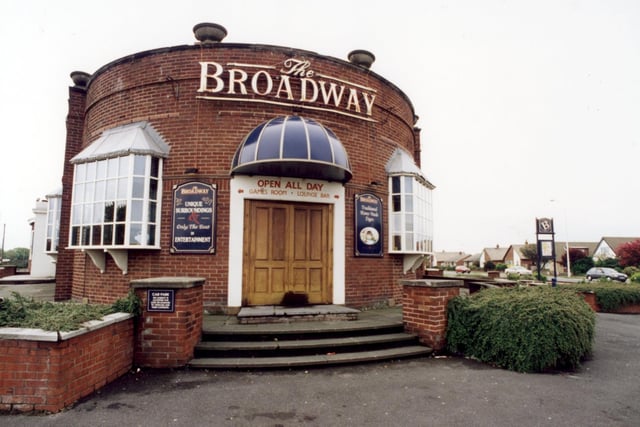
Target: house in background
{"x": 495, "y": 255}
{"x": 514, "y": 256}
{"x": 449, "y": 259}
{"x": 45, "y": 227}
{"x": 608, "y": 246}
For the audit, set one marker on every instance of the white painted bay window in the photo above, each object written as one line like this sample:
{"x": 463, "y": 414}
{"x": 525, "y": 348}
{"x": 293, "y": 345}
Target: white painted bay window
{"x": 410, "y": 210}
{"x": 54, "y": 207}
{"x": 116, "y": 193}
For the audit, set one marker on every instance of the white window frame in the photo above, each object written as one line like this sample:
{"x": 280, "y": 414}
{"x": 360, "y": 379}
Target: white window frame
{"x": 410, "y": 215}
{"x": 52, "y": 233}
{"x": 116, "y": 180}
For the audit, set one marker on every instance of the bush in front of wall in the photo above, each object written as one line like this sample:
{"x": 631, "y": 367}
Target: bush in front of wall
{"x": 610, "y": 296}
{"x": 522, "y": 329}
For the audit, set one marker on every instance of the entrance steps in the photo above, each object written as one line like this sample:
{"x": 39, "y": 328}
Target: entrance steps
{"x": 374, "y": 335}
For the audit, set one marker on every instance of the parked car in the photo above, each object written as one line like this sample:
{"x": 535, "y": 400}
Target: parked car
{"x": 462, "y": 269}
{"x": 518, "y": 269}
{"x": 605, "y": 273}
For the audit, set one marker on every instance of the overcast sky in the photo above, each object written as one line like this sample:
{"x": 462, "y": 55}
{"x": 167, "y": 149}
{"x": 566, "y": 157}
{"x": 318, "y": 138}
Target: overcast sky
{"x": 520, "y": 102}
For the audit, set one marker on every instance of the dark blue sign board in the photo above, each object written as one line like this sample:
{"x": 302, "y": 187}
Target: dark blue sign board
{"x": 368, "y": 225}
{"x": 161, "y": 300}
{"x": 194, "y": 207}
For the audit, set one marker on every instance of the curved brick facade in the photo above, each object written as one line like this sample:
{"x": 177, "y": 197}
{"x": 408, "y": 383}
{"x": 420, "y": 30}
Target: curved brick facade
{"x": 164, "y": 88}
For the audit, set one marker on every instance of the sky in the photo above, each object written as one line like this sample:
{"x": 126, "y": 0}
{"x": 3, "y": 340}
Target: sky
{"x": 527, "y": 109}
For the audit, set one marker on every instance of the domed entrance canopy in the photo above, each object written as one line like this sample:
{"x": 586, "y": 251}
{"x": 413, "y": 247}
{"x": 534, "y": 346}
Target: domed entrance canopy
{"x": 292, "y": 146}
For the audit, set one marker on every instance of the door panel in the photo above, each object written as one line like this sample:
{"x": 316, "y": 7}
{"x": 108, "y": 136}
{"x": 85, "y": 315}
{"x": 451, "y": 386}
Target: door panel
{"x": 287, "y": 248}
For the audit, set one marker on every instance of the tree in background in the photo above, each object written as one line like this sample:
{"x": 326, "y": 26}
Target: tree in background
{"x": 629, "y": 254}
{"x": 530, "y": 252}
{"x": 18, "y": 257}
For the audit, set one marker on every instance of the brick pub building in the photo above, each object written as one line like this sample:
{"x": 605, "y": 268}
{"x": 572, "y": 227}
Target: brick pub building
{"x": 264, "y": 170}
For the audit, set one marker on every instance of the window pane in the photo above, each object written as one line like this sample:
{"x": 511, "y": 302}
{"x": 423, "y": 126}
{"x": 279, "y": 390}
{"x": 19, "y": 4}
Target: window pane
{"x": 121, "y": 211}
{"x": 112, "y": 168}
{"x": 408, "y": 184}
{"x": 86, "y": 235}
{"x": 136, "y": 210}
{"x": 408, "y": 203}
{"x": 155, "y": 166}
{"x": 86, "y": 214}
{"x": 152, "y": 212}
{"x": 153, "y": 189}
{"x": 76, "y": 213}
{"x": 96, "y": 238}
{"x": 111, "y": 189}
{"x": 98, "y": 213}
{"x": 409, "y": 241}
{"x": 408, "y": 222}
{"x": 396, "y": 223}
{"x": 122, "y": 188}
{"x": 99, "y": 190}
{"x": 89, "y": 191}
{"x": 138, "y": 188}
{"x": 80, "y": 172}
{"x": 135, "y": 234}
{"x": 139, "y": 164}
{"x": 107, "y": 238}
{"x": 397, "y": 204}
{"x": 78, "y": 193}
{"x": 109, "y": 210}
{"x": 91, "y": 172}
{"x": 151, "y": 235}
{"x": 397, "y": 243}
{"x": 395, "y": 184}
{"x": 119, "y": 240}
{"x": 75, "y": 236}
{"x": 123, "y": 169}
{"x": 101, "y": 170}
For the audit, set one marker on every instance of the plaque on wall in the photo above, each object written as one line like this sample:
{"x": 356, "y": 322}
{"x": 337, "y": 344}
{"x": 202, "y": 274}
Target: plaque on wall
{"x": 368, "y": 225}
{"x": 161, "y": 300}
{"x": 194, "y": 207}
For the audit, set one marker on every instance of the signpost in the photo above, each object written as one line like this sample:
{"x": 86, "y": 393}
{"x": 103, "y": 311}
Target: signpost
{"x": 545, "y": 237}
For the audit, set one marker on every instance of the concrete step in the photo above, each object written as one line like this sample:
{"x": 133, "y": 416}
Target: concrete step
{"x": 310, "y": 360}
{"x": 305, "y": 344}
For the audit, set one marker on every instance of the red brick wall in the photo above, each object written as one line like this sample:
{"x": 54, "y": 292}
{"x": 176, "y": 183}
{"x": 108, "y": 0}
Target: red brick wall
{"x": 424, "y": 309}
{"x": 49, "y": 376}
{"x": 75, "y": 130}
{"x": 167, "y": 340}
{"x": 160, "y": 87}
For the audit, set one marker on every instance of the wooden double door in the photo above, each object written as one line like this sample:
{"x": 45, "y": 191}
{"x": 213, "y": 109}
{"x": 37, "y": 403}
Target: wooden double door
{"x": 287, "y": 247}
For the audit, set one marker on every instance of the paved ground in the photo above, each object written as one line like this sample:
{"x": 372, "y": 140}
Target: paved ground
{"x": 417, "y": 392}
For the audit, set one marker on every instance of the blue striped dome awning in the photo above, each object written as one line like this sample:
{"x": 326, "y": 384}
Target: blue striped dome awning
{"x": 292, "y": 146}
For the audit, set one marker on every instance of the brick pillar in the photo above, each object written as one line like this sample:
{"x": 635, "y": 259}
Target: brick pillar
{"x": 165, "y": 338}
{"x": 75, "y": 129}
{"x": 424, "y": 308}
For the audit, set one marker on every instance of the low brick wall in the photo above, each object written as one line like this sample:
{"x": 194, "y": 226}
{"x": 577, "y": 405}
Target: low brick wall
{"x": 7, "y": 270}
{"x": 424, "y": 308}
{"x": 48, "y": 371}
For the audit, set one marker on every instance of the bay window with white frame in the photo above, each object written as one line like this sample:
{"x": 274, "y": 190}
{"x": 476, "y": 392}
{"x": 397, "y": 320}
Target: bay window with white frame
{"x": 116, "y": 191}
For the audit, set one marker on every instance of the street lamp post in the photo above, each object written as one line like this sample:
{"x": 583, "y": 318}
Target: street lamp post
{"x": 566, "y": 247}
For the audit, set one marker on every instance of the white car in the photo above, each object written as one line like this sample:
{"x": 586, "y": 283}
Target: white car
{"x": 518, "y": 269}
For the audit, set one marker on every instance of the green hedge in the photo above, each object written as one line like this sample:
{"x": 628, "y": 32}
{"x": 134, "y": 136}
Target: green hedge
{"x": 610, "y": 296}
{"x": 522, "y": 329}
{"x": 24, "y": 312}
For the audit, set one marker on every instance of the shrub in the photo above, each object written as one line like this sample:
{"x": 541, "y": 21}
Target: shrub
{"x": 630, "y": 271}
{"x": 522, "y": 329}
{"x": 609, "y": 296}
{"x": 489, "y": 265}
{"x": 635, "y": 278}
{"x": 23, "y": 312}
{"x": 501, "y": 267}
